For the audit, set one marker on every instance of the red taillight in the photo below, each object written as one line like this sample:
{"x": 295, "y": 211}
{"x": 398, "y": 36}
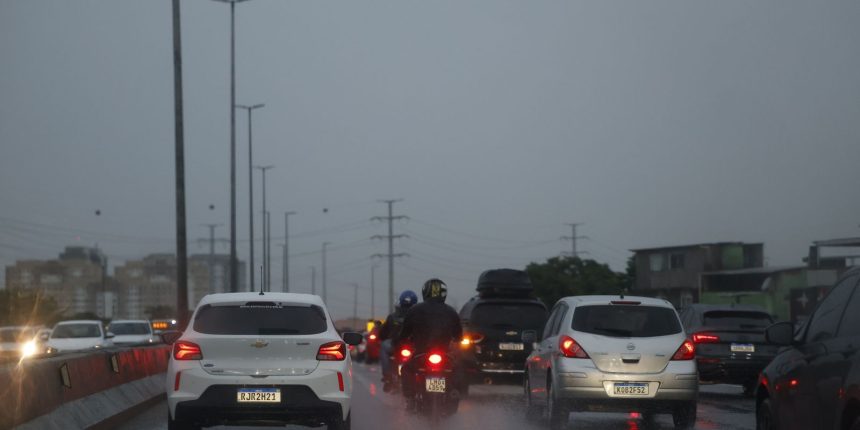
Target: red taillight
{"x": 372, "y": 337}
{"x": 705, "y": 338}
{"x": 405, "y": 353}
{"x": 176, "y": 381}
{"x": 184, "y": 350}
{"x": 687, "y": 351}
{"x": 434, "y": 358}
{"x": 332, "y": 351}
{"x": 569, "y": 348}
{"x": 340, "y": 381}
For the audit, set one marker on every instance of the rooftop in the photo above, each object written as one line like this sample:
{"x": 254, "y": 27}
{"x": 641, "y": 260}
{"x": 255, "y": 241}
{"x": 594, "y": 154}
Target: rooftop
{"x": 695, "y": 245}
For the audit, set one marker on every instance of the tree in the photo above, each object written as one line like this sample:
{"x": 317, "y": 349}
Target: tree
{"x": 570, "y": 276}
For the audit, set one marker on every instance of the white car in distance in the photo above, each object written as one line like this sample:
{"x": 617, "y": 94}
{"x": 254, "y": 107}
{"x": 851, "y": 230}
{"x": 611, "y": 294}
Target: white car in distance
{"x": 253, "y": 358}
{"x": 78, "y": 335}
{"x": 131, "y": 332}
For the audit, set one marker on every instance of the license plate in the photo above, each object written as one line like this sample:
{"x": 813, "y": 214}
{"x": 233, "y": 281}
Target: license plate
{"x": 258, "y": 395}
{"x": 631, "y": 389}
{"x": 434, "y": 385}
{"x": 511, "y": 346}
{"x": 743, "y": 347}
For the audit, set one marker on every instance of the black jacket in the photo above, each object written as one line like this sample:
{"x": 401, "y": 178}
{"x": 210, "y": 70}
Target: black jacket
{"x": 392, "y": 326}
{"x": 431, "y": 324}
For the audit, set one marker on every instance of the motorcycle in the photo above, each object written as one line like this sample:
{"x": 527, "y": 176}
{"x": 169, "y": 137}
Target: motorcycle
{"x": 398, "y": 357}
{"x": 436, "y": 384}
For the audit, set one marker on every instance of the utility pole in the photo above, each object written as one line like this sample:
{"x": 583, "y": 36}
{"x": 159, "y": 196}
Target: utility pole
{"x": 373, "y": 267}
{"x": 314, "y": 280}
{"x": 179, "y": 137}
{"x": 573, "y": 238}
{"x": 262, "y": 170}
{"x": 211, "y": 256}
{"x": 355, "y": 303}
{"x": 324, "y": 292}
{"x": 391, "y": 236}
{"x": 268, "y": 243}
{"x": 287, "y": 250}
{"x": 251, "y": 184}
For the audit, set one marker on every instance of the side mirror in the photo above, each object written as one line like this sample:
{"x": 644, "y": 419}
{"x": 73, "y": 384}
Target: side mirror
{"x": 44, "y": 337}
{"x": 352, "y": 338}
{"x": 109, "y": 335}
{"x": 170, "y": 336}
{"x": 781, "y": 333}
{"x": 529, "y": 336}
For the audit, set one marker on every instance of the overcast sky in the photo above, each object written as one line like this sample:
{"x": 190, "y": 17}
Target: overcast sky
{"x": 651, "y": 122}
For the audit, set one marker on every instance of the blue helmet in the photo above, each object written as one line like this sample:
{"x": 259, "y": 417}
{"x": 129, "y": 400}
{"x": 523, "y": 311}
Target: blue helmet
{"x": 407, "y": 299}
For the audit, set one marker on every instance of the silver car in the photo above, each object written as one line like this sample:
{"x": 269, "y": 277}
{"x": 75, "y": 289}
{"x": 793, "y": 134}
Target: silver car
{"x": 614, "y": 354}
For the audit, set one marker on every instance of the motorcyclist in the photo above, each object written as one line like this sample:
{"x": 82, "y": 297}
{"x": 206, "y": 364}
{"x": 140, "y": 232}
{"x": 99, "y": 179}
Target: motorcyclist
{"x": 429, "y": 324}
{"x": 389, "y": 333}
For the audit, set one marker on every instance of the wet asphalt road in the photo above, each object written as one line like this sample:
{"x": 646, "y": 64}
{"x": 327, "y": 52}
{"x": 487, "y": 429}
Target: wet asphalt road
{"x": 500, "y": 407}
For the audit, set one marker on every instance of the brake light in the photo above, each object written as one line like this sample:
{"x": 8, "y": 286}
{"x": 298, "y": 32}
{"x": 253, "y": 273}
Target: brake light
{"x": 687, "y": 351}
{"x": 332, "y": 351}
{"x": 372, "y": 337}
{"x": 434, "y": 358}
{"x": 185, "y": 350}
{"x": 405, "y": 353}
{"x": 705, "y": 338}
{"x": 569, "y": 348}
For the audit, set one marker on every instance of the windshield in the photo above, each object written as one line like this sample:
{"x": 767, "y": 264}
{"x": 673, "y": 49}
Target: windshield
{"x": 260, "y": 320}
{"x": 524, "y": 316}
{"x": 737, "y": 319}
{"x": 120, "y": 329}
{"x": 74, "y": 331}
{"x": 626, "y": 321}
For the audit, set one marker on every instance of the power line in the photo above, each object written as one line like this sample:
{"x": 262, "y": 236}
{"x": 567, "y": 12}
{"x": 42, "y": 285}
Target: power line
{"x": 573, "y": 238}
{"x": 391, "y": 255}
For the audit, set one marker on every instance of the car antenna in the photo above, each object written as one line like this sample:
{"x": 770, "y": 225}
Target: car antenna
{"x": 261, "y": 280}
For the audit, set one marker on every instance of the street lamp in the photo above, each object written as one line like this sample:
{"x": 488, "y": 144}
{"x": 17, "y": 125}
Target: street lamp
{"x": 250, "y": 185}
{"x": 265, "y": 230}
{"x": 324, "y": 295}
{"x": 234, "y": 262}
{"x": 287, "y": 250}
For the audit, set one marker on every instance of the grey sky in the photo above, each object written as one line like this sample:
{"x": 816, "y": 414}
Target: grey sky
{"x": 654, "y": 123}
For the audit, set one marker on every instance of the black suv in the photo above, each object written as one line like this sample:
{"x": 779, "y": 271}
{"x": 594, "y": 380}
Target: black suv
{"x": 730, "y": 345}
{"x": 493, "y": 325}
{"x": 814, "y": 382}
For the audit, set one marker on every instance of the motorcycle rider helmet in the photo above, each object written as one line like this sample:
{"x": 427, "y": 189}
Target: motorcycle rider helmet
{"x": 407, "y": 299}
{"x": 434, "y": 289}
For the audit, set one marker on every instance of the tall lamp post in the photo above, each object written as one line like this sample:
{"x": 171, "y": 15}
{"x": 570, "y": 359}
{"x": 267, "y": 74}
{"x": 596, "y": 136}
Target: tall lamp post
{"x": 234, "y": 262}
{"x": 287, "y": 250}
{"x": 324, "y": 295}
{"x": 251, "y": 186}
{"x": 263, "y": 169}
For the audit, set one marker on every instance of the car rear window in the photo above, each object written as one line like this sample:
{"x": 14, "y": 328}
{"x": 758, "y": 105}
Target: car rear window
{"x": 502, "y": 316}
{"x": 121, "y": 329}
{"x": 260, "y": 319}
{"x": 626, "y": 320}
{"x": 737, "y": 319}
{"x": 76, "y": 331}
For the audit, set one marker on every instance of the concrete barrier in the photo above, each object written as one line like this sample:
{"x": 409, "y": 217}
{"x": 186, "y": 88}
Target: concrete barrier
{"x": 36, "y": 388}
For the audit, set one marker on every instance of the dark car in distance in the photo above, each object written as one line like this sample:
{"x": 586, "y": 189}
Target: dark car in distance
{"x": 730, "y": 344}
{"x": 493, "y": 324}
{"x": 814, "y": 381}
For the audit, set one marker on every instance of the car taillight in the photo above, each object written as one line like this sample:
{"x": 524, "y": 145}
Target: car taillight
{"x": 372, "y": 337}
{"x": 471, "y": 338}
{"x": 687, "y": 351}
{"x": 185, "y": 350}
{"x": 569, "y": 348}
{"x": 332, "y": 351}
{"x": 705, "y": 338}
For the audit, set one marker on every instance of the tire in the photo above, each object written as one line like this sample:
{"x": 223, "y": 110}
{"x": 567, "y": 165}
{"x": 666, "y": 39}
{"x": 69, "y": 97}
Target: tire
{"x": 336, "y": 423}
{"x": 684, "y": 416}
{"x": 533, "y": 411}
{"x": 764, "y": 417}
{"x": 556, "y": 414}
{"x": 180, "y": 425}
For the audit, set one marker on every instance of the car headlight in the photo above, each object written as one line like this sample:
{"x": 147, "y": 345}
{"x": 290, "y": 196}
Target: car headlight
{"x": 29, "y": 349}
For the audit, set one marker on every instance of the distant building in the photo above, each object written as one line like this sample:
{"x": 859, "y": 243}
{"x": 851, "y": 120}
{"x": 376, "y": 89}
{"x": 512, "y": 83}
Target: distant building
{"x": 77, "y": 280}
{"x": 675, "y": 272}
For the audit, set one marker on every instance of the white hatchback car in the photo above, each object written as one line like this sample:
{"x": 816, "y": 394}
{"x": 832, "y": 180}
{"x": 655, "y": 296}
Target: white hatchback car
{"x": 612, "y": 353}
{"x": 248, "y": 358}
{"x": 78, "y": 335}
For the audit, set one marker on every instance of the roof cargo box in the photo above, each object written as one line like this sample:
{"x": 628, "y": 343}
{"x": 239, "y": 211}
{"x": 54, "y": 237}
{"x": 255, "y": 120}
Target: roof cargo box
{"x": 504, "y": 283}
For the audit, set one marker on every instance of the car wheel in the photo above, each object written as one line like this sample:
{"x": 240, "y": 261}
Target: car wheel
{"x": 684, "y": 416}
{"x": 338, "y": 424}
{"x": 533, "y": 411}
{"x": 173, "y": 424}
{"x": 764, "y": 416}
{"x": 556, "y": 414}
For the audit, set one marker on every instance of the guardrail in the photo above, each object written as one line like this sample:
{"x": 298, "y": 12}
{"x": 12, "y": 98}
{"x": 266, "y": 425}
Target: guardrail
{"x": 80, "y": 390}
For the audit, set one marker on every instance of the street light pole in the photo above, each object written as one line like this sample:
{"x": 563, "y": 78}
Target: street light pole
{"x": 373, "y": 290}
{"x": 263, "y": 170}
{"x": 234, "y": 262}
{"x": 287, "y": 250}
{"x": 250, "y": 185}
{"x": 324, "y": 295}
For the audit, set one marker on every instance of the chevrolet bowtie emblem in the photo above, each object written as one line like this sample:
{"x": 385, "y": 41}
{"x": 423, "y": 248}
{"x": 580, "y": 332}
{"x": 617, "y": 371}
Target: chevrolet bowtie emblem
{"x": 511, "y": 333}
{"x": 260, "y": 344}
